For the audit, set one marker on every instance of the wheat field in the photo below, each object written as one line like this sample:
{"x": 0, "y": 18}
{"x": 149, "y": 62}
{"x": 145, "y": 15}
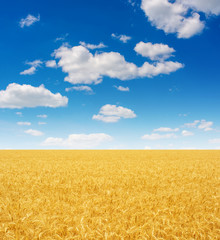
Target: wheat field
{"x": 109, "y": 194}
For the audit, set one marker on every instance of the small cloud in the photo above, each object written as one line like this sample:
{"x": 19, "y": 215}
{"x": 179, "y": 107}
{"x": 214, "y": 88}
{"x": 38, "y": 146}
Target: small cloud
{"x": 147, "y": 148}
{"x": 92, "y": 46}
{"x": 51, "y": 64}
{"x": 166, "y": 129}
{"x": 19, "y": 114}
{"x": 214, "y": 141}
{"x": 122, "y": 38}
{"x": 35, "y": 133}
{"x": 24, "y": 123}
{"x": 186, "y": 133}
{"x": 206, "y": 126}
{"x": 42, "y": 123}
{"x": 122, "y": 89}
{"x": 112, "y": 113}
{"x": 156, "y": 136}
{"x": 42, "y": 116}
{"x": 157, "y": 51}
{"x": 192, "y": 125}
{"x": 80, "y": 88}
{"x": 62, "y": 38}
{"x": 29, "y": 20}
{"x": 34, "y": 65}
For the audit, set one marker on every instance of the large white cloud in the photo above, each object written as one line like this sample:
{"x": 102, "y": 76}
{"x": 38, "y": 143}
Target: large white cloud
{"x": 29, "y": 20}
{"x": 173, "y": 17}
{"x": 156, "y": 51}
{"x": 79, "y": 141}
{"x": 113, "y": 113}
{"x": 85, "y": 68}
{"x": 20, "y": 96}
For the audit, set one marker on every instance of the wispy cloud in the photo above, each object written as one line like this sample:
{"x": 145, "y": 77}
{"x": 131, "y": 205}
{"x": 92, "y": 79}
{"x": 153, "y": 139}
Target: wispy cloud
{"x": 29, "y": 20}
{"x": 34, "y": 65}
{"x": 122, "y": 89}
{"x": 121, "y": 37}
{"x": 93, "y": 46}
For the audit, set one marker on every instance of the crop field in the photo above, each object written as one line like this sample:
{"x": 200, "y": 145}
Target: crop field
{"x": 112, "y": 194}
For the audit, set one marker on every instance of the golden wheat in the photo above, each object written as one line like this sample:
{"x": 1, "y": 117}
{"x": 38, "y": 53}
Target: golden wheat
{"x": 109, "y": 195}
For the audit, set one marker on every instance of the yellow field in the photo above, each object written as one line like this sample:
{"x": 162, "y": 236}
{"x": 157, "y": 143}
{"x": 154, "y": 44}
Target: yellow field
{"x": 109, "y": 195}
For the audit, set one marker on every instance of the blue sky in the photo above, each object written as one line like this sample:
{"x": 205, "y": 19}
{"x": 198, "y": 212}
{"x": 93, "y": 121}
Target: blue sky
{"x": 110, "y": 74}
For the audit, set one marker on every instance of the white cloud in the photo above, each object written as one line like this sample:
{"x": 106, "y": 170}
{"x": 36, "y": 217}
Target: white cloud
{"x": 92, "y": 46}
{"x": 166, "y": 129}
{"x": 156, "y": 136}
{"x": 42, "y": 123}
{"x": 156, "y": 51}
{"x": 80, "y": 88}
{"x": 34, "y": 65}
{"x": 79, "y": 141}
{"x": 173, "y": 17}
{"x": 122, "y": 38}
{"x": 206, "y": 126}
{"x": 33, "y": 132}
{"x": 206, "y": 6}
{"x": 186, "y": 133}
{"x": 214, "y": 141}
{"x": 24, "y": 123}
{"x": 20, "y": 96}
{"x": 147, "y": 148}
{"x": 42, "y": 116}
{"x": 122, "y": 89}
{"x": 85, "y": 68}
{"x": 51, "y": 64}
{"x": 62, "y": 38}
{"x": 19, "y": 114}
{"x": 194, "y": 124}
{"x": 29, "y": 20}
{"x": 112, "y": 113}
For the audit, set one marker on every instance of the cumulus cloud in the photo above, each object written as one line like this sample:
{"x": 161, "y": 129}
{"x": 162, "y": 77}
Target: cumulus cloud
{"x": 20, "y": 96}
{"x": 33, "y": 132}
{"x": 79, "y": 141}
{"x": 29, "y": 20}
{"x": 166, "y": 129}
{"x": 85, "y": 68}
{"x": 112, "y": 113}
{"x": 121, "y": 37}
{"x": 173, "y": 17}
{"x": 93, "y": 46}
{"x": 34, "y": 65}
{"x": 186, "y": 133}
{"x": 80, "y": 88}
{"x": 51, "y": 64}
{"x": 122, "y": 89}
{"x": 156, "y": 136}
{"x": 42, "y": 116}
{"x": 24, "y": 123}
{"x": 157, "y": 51}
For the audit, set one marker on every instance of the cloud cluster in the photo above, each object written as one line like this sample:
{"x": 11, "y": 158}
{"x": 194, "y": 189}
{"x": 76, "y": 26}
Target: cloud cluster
{"x": 200, "y": 124}
{"x": 85, "y": 68}
{"x": 111, "y": 113}
{"x": 29, "y": 20}
{"x": 34, "y": 65}
{"x": 121, "y": 37}
{"x": 20, "y": 96}
{"x": 24, "y": 123}
{"x": 79, "y": 141}
{"x": 156, "y": 51}
{"x": 175, "y": 16}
